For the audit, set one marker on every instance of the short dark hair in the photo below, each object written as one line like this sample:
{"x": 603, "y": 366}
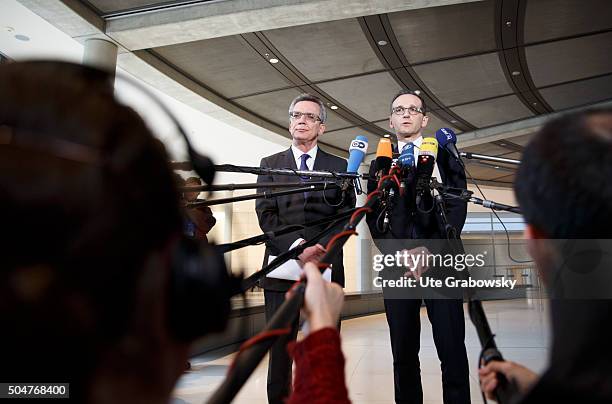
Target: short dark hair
{"x": 311, "y": 98}
{"x": 563, "y": 182}
{"x": 405, "y": 91}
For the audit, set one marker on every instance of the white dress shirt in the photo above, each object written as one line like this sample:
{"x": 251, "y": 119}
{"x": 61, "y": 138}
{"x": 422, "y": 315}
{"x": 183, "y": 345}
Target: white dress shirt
{"x": 297, "y": 155}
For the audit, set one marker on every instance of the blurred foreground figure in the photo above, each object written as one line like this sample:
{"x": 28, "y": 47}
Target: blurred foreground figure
{"x": 90, "y": 290}
{"x": 89, "y": 214}
{"x": 563, "y": 187}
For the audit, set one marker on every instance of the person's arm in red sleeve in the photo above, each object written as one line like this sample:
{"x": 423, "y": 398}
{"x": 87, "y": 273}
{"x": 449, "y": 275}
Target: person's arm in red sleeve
{"x": 319, "y": 362}
{"x": 319, "y": 369}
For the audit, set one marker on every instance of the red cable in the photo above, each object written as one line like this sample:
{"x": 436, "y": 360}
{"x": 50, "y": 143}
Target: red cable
{"x": 257, "y": 339}
{"x": 361, "y": 209}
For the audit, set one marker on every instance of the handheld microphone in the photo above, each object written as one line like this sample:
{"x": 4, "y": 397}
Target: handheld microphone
{"x": 384, "y": 157}
{"x": 425, "y": 165}
{"x": 448, "y": 140}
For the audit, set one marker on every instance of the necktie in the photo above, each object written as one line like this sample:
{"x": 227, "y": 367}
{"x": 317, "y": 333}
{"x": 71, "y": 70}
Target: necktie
{"x": 304, "y": 167}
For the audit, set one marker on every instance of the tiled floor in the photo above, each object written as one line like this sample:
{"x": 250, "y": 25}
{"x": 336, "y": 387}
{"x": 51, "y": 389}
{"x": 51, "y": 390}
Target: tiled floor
{"x": 522, "y": 336}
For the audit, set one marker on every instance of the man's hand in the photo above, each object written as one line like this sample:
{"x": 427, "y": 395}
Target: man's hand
{"x": 312, "y": 254}
{"x": 322, "y": 301}
{"x": 417, "y": 261}
{"x": 520, "y": 375}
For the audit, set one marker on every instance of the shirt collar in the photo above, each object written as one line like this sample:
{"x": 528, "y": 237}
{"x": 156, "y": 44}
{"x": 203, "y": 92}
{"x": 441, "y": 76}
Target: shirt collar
{"x": 417, "y": 143}
{"x": 297, "y": 153}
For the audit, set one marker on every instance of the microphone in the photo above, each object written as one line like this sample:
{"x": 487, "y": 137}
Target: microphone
{"x": 448, "y": 140}
{"x": 384, "y": 157}
{"x": 357, "y": 152}
{"x": 406, "y": 163}
{"x": 425, "y": 165}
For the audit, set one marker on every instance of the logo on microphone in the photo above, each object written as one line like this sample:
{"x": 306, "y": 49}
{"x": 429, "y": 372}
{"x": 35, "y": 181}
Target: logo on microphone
{"x": 358, "y": 144}
{"x": 449, "y": 136}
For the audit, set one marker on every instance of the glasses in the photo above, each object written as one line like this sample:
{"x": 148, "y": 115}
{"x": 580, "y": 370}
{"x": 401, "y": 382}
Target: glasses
{"x": 411, "y": 110}
{"x": 309, "y": 117}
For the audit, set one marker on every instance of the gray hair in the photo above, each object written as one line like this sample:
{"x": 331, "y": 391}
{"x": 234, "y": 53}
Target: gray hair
{"x": 311, "y": 98}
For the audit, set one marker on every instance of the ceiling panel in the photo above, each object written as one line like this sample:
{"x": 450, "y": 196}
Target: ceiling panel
{"x": 508, "y": 179}
{"x": 368, "y": 96}
{"x": 342, "y": 138}
{"x": 522, "y": 140}
{"x": 227, "y": 65}
{"x": 466, "y": 79}
{"x": 513, "y": 155}
{"x": 578, "y": 93}
{"x": 108, "y": 6}
{"x": 274, "y": 106}
{"x": 326, "y": 50}
{"x": 492, "y": 112}
{"x": 549, "y": 19}
{"x": 572, "y": 59}
{"x": 484, "y": 172}
{"x": 436, "y": 123}
{"x": 488, "y": 149}
{"x": 439, "y": 32}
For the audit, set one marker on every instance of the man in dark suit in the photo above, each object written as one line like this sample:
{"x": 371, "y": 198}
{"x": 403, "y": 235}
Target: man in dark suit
{"x": 407, "y": 224}
{"x": 307, "y": 116}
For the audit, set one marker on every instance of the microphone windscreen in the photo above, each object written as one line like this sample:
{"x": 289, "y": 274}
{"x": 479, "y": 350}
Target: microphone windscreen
{"x": 445, "y": 136}
{"x": 384, "y": 155}
{"x": 384, "y": 148}
{"x": 429, "y": 147}
{"x": 406, "y": 159}
{"x": 357, "y": 152}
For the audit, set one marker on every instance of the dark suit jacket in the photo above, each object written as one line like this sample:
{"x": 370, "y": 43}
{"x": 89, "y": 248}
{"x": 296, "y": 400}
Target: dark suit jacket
{"x": 274, "y": 213}
{"x": 408, "y": 223}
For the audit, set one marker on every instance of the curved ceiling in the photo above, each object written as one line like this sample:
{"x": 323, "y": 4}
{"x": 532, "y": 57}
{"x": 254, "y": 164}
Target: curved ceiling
{"x": 478, "y": 64}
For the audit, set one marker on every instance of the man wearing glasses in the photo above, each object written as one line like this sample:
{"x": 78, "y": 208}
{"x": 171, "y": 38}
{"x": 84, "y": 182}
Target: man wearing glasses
{"x": 307, "y": 117}
{"x": 408, "y": 119}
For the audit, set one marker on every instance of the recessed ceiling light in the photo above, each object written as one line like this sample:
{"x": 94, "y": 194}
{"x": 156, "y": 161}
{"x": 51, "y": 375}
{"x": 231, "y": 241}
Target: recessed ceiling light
{"x": 273, "y": 60}
{"x": 382, "y": 43}
{"x": 417, "y": 92}
{"x": 21, "y": 37}
{"x": 453, "y": 121}
{"x": 516, "y": 73}
{"x": 9, "y": 29}
{"x": 502, "y": 144}
{"x": 334, "y": 107}
{"x": 387, "y": 136}
{"x": 496, "y": 166}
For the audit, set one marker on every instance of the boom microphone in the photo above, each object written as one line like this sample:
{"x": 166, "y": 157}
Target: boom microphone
{"x": 448, "y": 140}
